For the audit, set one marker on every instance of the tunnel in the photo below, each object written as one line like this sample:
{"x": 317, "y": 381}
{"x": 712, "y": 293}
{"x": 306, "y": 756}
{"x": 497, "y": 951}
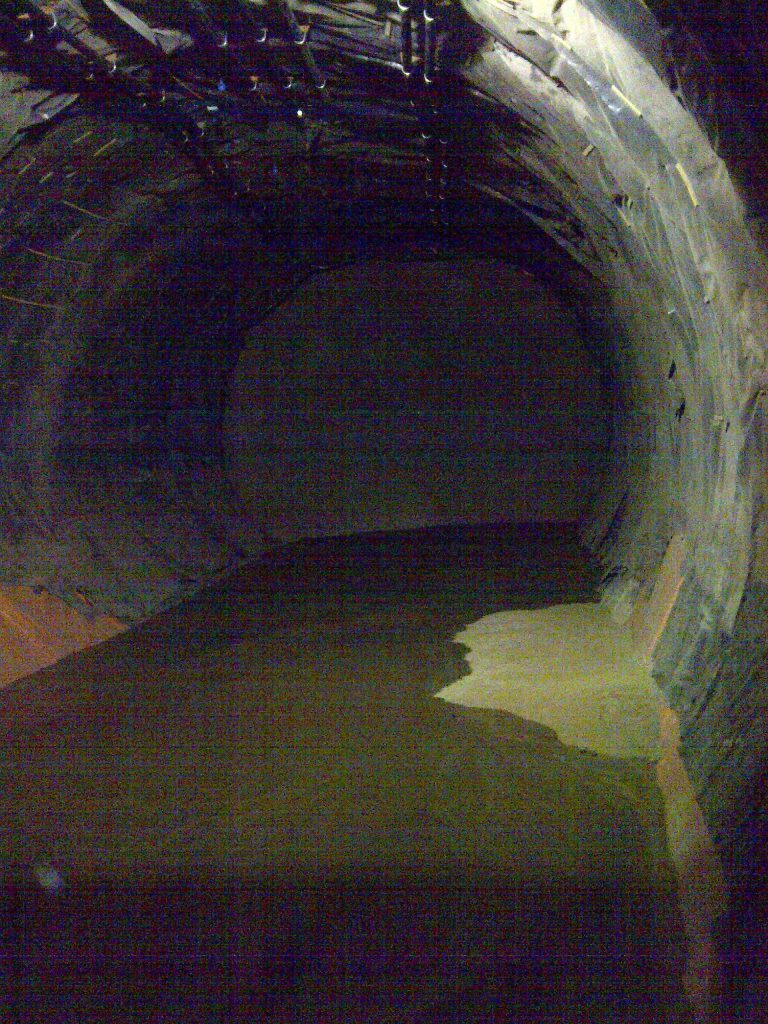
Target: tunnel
{"x": 418, "y": 329}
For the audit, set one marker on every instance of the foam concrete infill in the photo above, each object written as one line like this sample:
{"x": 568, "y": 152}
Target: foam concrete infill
{"x": 574, "y": 669}
{"x": 569, "y": 667}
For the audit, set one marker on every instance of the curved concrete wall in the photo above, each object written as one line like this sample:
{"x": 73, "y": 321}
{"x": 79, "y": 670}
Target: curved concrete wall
{"x": 580, "y": 118}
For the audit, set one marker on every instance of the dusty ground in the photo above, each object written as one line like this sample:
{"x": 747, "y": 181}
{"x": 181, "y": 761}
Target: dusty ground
{"x": 253, "y": 807}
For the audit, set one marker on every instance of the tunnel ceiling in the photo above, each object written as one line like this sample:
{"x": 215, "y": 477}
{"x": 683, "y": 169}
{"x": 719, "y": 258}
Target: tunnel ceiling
{"x": 592, "y": 142}
{"x": 579, "y": 138}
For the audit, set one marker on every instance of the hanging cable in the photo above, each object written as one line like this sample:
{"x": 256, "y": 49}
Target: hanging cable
{"x": 428, "y": 36}
{"x": 300, "y": 36}
{"x": 406, "y": 37}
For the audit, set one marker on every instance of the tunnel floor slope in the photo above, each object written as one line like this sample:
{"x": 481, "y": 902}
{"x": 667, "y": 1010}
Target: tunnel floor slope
{"x": 253, "y": 807}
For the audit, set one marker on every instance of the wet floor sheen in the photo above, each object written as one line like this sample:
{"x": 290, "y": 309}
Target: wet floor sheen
{"x": 253, "y": 807}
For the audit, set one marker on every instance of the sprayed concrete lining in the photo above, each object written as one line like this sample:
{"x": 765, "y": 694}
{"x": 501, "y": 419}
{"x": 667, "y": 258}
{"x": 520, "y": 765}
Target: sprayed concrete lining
{"x": 600, "y": 144}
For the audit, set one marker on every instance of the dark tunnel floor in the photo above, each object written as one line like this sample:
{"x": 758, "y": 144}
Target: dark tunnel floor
{"x": 251, "y": 807}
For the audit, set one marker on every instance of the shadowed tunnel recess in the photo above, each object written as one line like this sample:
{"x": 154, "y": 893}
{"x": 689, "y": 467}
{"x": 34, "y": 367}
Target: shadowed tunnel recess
{"x": 176, "y": 178}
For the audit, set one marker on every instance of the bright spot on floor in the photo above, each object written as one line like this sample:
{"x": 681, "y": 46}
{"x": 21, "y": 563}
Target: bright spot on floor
{"x": 49, "y": 878}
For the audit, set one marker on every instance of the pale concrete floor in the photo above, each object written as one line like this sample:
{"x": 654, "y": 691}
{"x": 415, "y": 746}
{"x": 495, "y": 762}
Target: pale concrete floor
{"x": 253, "y": 807}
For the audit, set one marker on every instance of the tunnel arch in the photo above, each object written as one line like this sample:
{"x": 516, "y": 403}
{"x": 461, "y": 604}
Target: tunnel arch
{"x": 391, "y": 395}
{"x": 592, "y": 142}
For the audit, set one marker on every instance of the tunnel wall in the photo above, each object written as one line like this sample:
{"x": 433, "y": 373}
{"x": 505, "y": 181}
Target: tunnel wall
{"x": 113, "y": 492}
{"x": 687, "y": 281}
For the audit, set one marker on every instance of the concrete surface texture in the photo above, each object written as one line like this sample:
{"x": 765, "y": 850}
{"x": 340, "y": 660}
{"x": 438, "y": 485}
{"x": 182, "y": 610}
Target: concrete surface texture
{"x": 327, "y": 840}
